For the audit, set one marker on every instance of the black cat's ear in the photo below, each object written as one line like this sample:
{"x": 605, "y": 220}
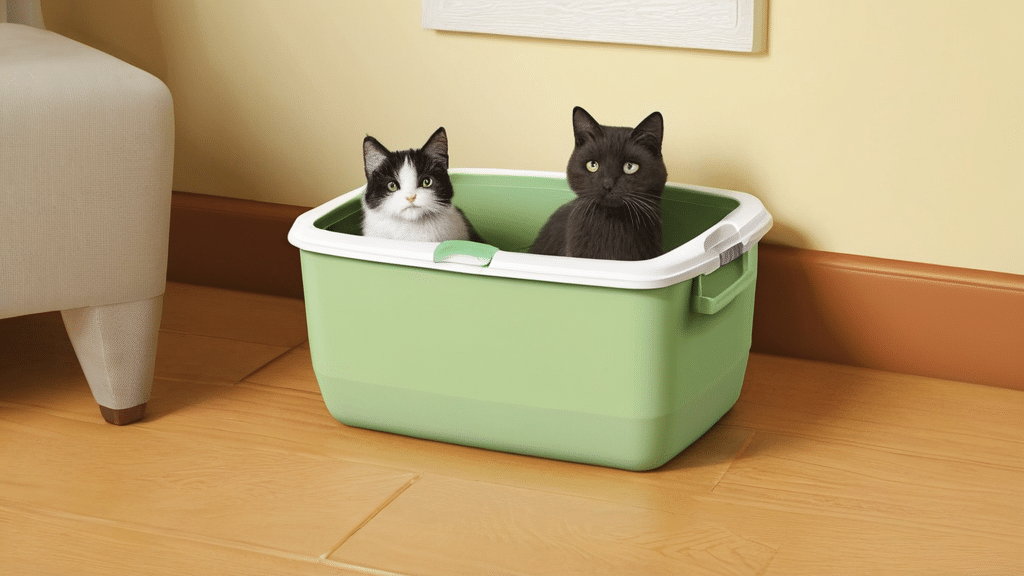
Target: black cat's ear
{"x": 374, "y": 154}
{"x": 437, "y": 146}
{"x": 584, "y": 127}
{"x": 649, "y": 132}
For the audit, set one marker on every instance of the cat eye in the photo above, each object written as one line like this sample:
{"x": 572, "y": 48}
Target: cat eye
{"x": 592, "y": 166}
{"x": 630, "y": 167}
{"x": 392, "y": 186}
{"x": 427, "y": 182}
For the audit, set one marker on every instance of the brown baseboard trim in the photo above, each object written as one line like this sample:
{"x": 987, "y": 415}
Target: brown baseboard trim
{"x": 232, "y": 243}
{"x": 952, "y": 323}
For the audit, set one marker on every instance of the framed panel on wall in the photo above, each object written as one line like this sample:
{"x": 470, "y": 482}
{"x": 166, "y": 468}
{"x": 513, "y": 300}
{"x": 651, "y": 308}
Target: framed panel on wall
{"x": 730, "y": 25}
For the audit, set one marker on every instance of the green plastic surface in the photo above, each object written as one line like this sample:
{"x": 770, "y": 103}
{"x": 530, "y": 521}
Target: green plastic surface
{"x": 726, "y": 285}
{"x": 509, "y": 211}
{"x": 616, "y": 377}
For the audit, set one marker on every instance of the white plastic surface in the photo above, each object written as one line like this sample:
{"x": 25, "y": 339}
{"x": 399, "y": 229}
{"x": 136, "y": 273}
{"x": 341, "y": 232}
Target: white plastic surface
{"x": 745, "y": 226}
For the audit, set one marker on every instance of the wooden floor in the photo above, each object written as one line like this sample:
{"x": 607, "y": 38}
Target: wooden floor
{"x": 239, "y": 469}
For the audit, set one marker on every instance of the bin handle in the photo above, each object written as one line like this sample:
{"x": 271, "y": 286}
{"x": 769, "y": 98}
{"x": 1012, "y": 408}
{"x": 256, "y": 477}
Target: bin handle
{"x": 713, "y": 304}
{"x": 465, "y": 252}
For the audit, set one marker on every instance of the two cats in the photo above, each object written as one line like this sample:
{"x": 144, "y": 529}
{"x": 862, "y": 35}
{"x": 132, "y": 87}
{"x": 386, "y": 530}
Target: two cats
{"x": 617, "y": 174}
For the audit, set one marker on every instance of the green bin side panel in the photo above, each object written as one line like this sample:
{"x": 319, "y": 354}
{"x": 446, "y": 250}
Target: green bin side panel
{"x": 616, "y": 377}
{"x": 509, "y": 211}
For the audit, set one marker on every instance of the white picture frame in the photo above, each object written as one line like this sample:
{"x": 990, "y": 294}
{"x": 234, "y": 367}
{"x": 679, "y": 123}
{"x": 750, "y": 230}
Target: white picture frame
{"x": 728, "y": 25}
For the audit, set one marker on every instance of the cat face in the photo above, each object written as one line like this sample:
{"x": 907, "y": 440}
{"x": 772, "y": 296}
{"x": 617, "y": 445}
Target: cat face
{"x": 615, "y": 166}
{"x": 409, "y": 184}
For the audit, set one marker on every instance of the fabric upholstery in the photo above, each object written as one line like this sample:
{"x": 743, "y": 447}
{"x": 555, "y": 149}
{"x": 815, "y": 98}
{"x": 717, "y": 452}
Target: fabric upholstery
{"x": 86, "y": 153}
{"x": 22, "y": 12}
{"x": 115, "y": 345}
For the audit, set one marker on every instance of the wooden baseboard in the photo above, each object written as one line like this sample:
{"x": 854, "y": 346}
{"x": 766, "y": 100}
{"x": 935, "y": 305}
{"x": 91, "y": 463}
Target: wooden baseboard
{"x": 952, "y": 323}
{"x": 231, "y": 243}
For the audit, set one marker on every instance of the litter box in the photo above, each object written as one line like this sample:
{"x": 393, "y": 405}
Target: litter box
{"x": 620, "y": 364}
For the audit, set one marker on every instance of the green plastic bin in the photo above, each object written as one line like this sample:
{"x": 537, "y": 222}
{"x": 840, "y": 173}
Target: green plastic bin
{"x": 620, "y": 364}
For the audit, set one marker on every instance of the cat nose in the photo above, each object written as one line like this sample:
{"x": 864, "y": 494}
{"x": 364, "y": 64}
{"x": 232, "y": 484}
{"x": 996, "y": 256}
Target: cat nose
{"x": 608, "y": 183}
{"x": 411, "y": 198}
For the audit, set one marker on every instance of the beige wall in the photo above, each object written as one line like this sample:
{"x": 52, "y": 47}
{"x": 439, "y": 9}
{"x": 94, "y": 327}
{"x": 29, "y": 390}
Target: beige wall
{"x": 877, "y": 127}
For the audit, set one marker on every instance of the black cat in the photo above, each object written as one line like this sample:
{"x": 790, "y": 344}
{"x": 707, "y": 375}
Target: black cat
{"x": 618, "y": 175}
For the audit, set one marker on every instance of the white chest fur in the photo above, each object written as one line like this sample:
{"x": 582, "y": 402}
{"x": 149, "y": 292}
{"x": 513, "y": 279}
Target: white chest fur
{"x": 413, "y": 213}
{"x": 436, "y": 227}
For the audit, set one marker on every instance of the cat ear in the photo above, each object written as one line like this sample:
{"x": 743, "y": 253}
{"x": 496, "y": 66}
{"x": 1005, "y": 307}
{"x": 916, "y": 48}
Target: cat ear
{"x": 649, "y": 132}
{"x": 437, "y": 145}
{"x": 374, "y": 154}
{"x": 584, "y": 126}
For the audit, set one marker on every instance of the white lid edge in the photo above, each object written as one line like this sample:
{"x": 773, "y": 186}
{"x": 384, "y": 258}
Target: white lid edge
{"x": 745, "y": 225}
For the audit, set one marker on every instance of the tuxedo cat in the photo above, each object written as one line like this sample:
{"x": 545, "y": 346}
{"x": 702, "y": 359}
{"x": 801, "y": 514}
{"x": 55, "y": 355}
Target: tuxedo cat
{"x": 409, "y": 195}
{"x": 618, "y": 176}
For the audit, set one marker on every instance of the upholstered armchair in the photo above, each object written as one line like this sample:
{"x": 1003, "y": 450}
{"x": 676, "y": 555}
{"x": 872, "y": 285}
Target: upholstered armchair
{"x": 86, "y": 152}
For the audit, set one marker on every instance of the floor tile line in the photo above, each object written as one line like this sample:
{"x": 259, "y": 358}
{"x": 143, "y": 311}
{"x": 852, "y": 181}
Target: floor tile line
{"x": 809, "y": 415}
{"x": 283, "y": 389}
{"x": 37, "y": 510}
{"x": 262, "y": 366}
{"x": 401, "y": 490}
{"x": 54, "y": 412}
{"x": 358, "y": 568}
{"x": 229, "y": 339}
{"x": 739, "y": 454}
{"x": 767, "y": 565}
{"x": 878, "y": 518}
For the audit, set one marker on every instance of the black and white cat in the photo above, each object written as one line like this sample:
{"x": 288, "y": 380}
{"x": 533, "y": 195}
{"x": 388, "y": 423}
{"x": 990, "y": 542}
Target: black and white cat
{"x": 618, "y": 175}
{"x": 409, "y": 194}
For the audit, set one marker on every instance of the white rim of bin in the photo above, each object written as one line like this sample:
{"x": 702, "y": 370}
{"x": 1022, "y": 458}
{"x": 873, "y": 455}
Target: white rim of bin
{"x": 741, "y": 228}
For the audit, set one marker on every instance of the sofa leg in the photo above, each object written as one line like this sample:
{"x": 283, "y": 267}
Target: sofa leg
{"x": 123, "y": 416}
{"x": 116, "y": 346}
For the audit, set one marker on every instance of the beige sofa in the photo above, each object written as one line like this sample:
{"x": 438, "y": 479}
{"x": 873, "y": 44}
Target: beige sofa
{"x": 86, "y": 152}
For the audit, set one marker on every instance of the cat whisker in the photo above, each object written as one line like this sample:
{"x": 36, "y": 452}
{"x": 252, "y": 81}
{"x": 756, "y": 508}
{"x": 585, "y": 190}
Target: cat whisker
{"x": 645, "y": 209}
{"x": 631, "y": 206}
{"x": 642, "y": 214}
{"x": 654, "y": 214}
{"x": 637, "y": 220}
{"x": 651, "y": 200}
{"x": 582, "y": 211}
{"x": 647, "y": 198}
{"x": 591, "y": 210}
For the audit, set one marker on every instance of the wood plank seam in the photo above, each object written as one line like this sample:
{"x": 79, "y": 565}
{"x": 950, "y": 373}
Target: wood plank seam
{"x": 380, "y": 508}
{"x": 262, "y": 366}
{"x": 739, "y": 453}
{"x": 358, "y": 568}
{"x": 34, "y": 509}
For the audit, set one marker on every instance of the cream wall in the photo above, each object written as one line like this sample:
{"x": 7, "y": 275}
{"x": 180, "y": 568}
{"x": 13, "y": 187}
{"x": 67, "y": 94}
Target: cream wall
{"x": 877, "y": 127}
